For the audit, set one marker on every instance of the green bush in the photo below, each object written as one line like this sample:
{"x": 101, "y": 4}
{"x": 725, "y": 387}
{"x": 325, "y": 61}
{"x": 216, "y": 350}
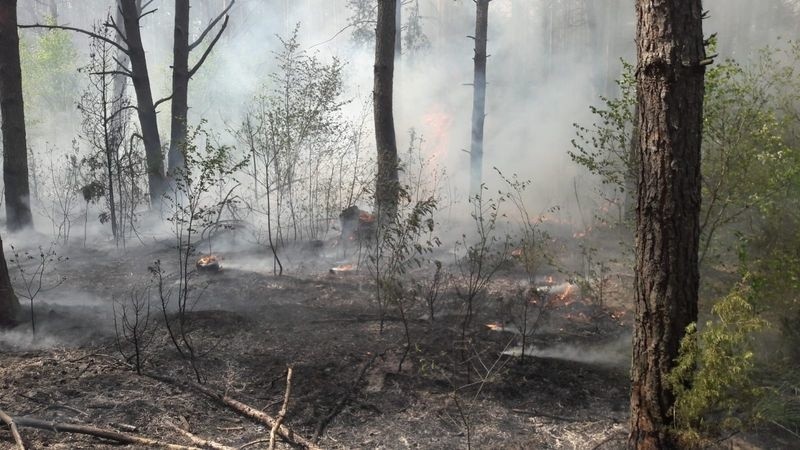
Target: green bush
{"x": 714, "y": 380}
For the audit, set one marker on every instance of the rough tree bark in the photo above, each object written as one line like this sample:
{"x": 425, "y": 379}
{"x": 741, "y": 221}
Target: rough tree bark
{"x": 181, "y": 74}
{"x": 12, "y": 112}
{"x": 180, "y": 85}
{"x": 387, "y": 184}
{"x": 144, "y": 100}
{"x": 479, "y": 95}
{"x": 9, "y": 303}
{"x": 670, "y": 80}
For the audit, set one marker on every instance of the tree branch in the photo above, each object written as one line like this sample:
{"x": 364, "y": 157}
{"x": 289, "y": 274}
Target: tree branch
{"x": 211, "y": 25}
{"x": 58, "y": 427}
{"x": 165, "y": 99}
{"x": 14, "y": 431}
{"x": 144, "y": 14}
{"x": 210, "y": 47}
{"x": 111, "y": 23}
{"x": 78, "y": 30}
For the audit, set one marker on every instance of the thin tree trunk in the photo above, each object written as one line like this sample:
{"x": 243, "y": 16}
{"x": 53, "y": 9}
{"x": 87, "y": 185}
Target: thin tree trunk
{"x": 387, "y": 186}
{"x": 144, "y": 101}
{"x": 479, "y": 96}
{"x": 180, "y": 85}
{"x": 9, "y": 303}
{"x": 15, "y": 148}
{"x": 118, "y": 122}
{"x": 670, "y": 80}
{"x": 398, "y": 25}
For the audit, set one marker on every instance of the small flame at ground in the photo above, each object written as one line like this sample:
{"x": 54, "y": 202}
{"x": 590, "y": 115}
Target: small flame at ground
{"x": 208, "y": 262}
{"x": 343, "y": 268}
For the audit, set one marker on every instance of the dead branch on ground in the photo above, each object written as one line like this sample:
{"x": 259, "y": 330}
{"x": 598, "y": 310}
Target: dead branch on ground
{"x": 14, "y": 431}
{"x": 248, "y": 411}
{"x": 196, "y": 440}
{"x": 57, "y": 427}
{"x": 284, "y": 407}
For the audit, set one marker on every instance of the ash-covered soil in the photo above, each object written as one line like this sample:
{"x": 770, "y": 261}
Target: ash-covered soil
{"x": 454, "y": 389}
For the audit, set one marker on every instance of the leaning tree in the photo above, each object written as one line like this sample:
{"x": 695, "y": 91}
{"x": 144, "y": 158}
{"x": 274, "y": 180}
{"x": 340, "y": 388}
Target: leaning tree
{"x": 670, "y": 82}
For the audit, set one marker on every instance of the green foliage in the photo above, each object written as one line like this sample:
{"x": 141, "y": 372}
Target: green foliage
{"x": 604, "y": 147}
{"x": 748, "y": 162}
{"x": 305, "y": 154}
{"x": 714, "y": 378}
{"x": 49, "y": 71}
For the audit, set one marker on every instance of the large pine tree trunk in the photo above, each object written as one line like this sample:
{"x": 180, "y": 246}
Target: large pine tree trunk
{"x": 144, "y": 101}
{"x": 387, "y": 185}
{"x": 9, "y": 304}
{"x": 12, "y": 111}
{"x": 479, "y": 96}
{"x": 670, "y": 77}
{"x": 180, "y": 85}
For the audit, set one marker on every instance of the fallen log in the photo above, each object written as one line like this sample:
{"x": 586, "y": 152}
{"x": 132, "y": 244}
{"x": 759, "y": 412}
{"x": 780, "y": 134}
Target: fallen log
{"x": 57, "y": 427}
{"x": 246, "y": 410}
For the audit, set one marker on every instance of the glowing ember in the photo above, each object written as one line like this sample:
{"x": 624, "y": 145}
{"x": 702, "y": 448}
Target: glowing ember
{"x": 343, "y": 268}
{"x": 365, "y": 217}
{"x": 494, "y": 326}
{"x": 208, "y": 263}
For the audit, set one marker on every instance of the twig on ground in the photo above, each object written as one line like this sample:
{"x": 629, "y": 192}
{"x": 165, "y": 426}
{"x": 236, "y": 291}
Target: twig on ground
{"x": 252, "y": 443}
{"x": 549, "y": 416}
{"x": 241, "y": 408}
{"x": 343, "y": 401}
{"x": 14, "y": 431}
{"x": 284, "y": 407}
{"x": 198, "y": 440}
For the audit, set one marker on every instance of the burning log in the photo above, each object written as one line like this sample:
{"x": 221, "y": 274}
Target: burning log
{"x": 208, "y": 263}
{"x": 357, "y": 225}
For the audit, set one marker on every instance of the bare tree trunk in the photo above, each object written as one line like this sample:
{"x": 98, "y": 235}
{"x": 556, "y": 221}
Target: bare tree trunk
{"x": 479, "y": 95}
{"x": 180, "y": 85}
{"x": 12, "y": 110}
{"x": 398, "y": 25}
{"x": 387, "y": 185}
{"x": 670, "y": 80}
{"x": 9, "y": 304}
{"x": 144, "y": 101}
{"x": 118, "y": 122}
{"x": 181, "y": 74}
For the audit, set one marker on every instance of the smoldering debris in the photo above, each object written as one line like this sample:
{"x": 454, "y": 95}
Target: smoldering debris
{"x": 615, "y": 353}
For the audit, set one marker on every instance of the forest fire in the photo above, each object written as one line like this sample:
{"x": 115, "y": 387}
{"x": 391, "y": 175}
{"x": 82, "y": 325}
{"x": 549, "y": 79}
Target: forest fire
{"x": 356, "y": 224}
{"x": 343, "y": 268}
{"x": 209, "y": 263}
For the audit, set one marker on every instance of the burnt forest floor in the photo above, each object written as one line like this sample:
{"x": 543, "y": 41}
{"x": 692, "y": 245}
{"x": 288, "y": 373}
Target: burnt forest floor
{"x": 248, "y": 325}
